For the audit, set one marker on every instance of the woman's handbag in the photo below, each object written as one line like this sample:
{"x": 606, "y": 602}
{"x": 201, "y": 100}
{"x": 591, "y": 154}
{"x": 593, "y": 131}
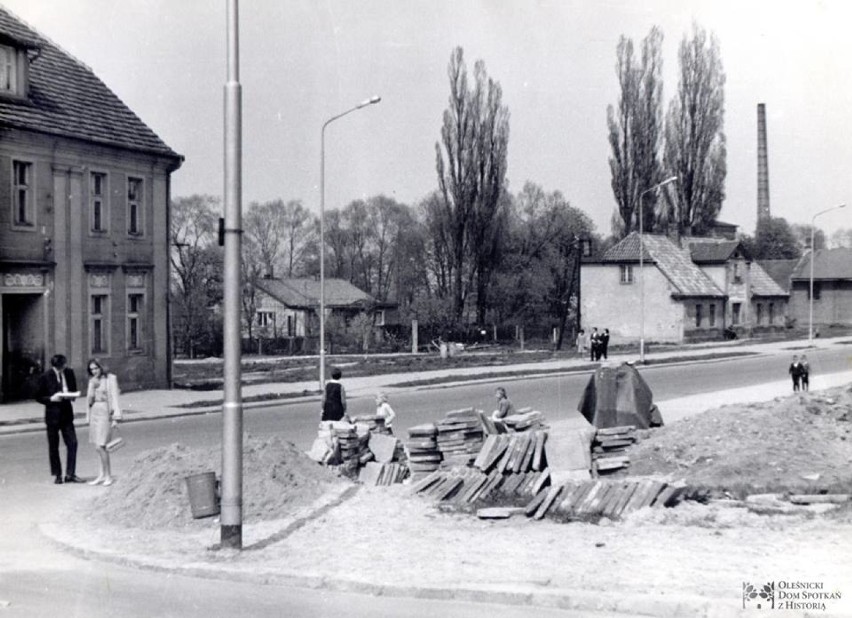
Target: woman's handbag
{"x": 116, "y": 442}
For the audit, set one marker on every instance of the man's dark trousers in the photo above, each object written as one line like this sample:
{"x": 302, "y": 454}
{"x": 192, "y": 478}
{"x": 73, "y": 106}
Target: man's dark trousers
{"x": 59, "y": 419}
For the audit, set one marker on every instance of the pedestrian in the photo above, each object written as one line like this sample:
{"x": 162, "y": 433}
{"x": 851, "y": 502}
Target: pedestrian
{"x": 805, "y": 373}
{"x": 594, "y": 348}
{"x": 385, "y": 411}
{"x": 581, "y": 342}
{"x": 605, "y": 343}
{"x": 334, "y": 398}
{"x": 504, "y": 405}
{"x": 795, "y": 372}
{"x": 57, "y": 389}
{"x": 103, "y": 412}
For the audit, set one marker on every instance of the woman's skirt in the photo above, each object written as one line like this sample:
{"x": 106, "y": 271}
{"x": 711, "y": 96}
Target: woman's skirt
{"x": 99, "y": 424}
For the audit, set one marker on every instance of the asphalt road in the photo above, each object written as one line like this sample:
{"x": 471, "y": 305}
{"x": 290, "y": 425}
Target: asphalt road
{"x": 36, "y": 578}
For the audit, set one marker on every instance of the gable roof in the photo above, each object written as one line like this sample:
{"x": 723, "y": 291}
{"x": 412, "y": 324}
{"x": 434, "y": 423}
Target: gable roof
{"x": 762, "y": 284}
{"x": 828, "y": 264}
{"x": 712, "y": 250}
{"x": 780, "y": 270}
{"x": 675, "y": 264}
{"x": 305, "y": 293}
{"x": 67, "y": 99}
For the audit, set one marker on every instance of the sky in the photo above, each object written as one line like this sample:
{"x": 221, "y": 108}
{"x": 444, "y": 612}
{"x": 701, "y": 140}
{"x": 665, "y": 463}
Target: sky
{"x": 304, "y": 61}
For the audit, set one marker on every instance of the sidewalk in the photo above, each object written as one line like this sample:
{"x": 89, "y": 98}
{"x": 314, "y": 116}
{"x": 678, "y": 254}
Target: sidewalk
{"x": 27, "y": 416}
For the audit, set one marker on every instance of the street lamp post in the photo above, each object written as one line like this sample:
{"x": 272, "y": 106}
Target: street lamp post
{"x": 811, "y": 290}
{"x": 656, "y": 187}
{"x": 371, "y": 101}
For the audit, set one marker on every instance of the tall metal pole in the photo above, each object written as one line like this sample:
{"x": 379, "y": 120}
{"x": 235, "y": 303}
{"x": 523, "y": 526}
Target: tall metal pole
{"x": 656, "y": 187}
{"x": 813, "y": 256}
{"x": 371, "y": 101}
{"x": 232, "y": 413}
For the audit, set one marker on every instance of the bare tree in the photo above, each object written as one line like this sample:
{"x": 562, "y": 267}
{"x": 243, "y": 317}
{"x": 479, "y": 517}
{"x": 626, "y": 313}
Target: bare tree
{"x": 842, "y": 238}
{"x": 471, "y": 166}
{"x": 635, "y": 129}
{"x": 695, "y": 140}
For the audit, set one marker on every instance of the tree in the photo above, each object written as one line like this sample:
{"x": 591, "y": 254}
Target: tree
{"x": 635, "y": 130}
{"x": 196, "y": 270}
{"x": 802, "y": 233}
{"x": 695, "y": 148}
{"x": 773, "y": 240}
{"x": 842, "y": 238}
{"x": 471, "y": 165}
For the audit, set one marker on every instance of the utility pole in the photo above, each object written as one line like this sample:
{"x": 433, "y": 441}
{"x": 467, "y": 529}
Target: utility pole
{"x": 232, "y": 411}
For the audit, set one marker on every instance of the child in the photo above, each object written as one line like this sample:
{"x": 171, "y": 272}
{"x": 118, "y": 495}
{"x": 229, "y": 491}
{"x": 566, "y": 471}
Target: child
{"x": 334, "y": 398}
{"x": 795, "y": 372}
{"x": 384, "y": 410}
{"x": 805, "y": 373}
{"x": 504, "y": 405}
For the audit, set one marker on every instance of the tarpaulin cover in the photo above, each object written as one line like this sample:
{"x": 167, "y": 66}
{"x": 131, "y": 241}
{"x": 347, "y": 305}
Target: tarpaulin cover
{"x": 617, "y": 396}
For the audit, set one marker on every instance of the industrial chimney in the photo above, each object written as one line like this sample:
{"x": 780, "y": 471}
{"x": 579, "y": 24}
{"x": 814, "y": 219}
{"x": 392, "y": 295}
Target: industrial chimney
{"x": 762, "y": 165}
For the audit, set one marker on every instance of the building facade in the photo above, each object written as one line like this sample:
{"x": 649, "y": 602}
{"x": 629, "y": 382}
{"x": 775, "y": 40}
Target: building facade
{"x": 84, "y": 194}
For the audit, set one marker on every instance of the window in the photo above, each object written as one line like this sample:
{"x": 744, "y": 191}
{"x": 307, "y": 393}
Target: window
{"x": 99, "y": 322}
{"x": 8, "y": 70}
{"x": 134, "y": 207}
{"x": 97, "y": 193}
{"x": 735, "y": 313}
{"x": 380, "y": 317}
{"x": 22, "y": 194}
{"x": 135, "y": 318}
{"x": 712, "y": 315}
{"x": 265, "y": 318}
{"x": 737, "y": 275}
{"x": 291, "y": 325}
{"x": 771, "y": 313}
{"x": 817, "y": 290}
{"x": 627, "y": 273}
{"x": 759, "y": 314}
{"x": 699, "y": 309}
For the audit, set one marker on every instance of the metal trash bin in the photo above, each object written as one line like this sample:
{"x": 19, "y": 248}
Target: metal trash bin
{"x": 203, "y": 499}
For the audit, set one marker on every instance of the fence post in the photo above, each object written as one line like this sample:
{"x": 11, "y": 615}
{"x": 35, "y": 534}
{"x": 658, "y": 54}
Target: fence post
{"x": 494, "y": 330}
{"x": 414, "y": 342}
{"x": 521, "y": 337}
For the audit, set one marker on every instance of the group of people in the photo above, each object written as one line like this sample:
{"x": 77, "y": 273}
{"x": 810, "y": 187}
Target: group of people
{"x": 57, "y": 389}
{"x": 800, "y": 372}
{"x": 596, "y": 343}
{"x": 334, "y": 402}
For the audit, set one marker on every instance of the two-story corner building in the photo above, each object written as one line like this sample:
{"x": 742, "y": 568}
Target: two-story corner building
{"x": 84, "y": 194}
{"x": 681, "y": 302}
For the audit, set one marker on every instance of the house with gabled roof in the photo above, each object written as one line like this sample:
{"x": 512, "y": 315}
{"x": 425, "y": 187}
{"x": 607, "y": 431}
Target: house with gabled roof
{"x": 832, "y": 296}
{"x": 84, "y": 220}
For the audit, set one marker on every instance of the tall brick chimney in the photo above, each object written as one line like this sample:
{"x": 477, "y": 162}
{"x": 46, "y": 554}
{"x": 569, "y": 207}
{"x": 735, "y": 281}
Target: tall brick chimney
{"x": 762, "y": 165}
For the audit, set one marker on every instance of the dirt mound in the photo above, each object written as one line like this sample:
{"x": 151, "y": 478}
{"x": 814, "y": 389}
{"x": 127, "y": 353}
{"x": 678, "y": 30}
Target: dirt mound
{"x": 277, "y": 477}
{"x": 801, "y": 443}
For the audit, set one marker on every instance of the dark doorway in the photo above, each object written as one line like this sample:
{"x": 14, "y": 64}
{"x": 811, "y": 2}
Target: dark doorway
{"x": 23, "y": 345}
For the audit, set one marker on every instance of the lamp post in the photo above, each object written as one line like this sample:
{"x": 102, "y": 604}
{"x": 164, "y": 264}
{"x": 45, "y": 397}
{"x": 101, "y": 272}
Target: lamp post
{"x": 656, "y": 187}
{"x": 811, "y": 290}
{"x": 371, "y": 101}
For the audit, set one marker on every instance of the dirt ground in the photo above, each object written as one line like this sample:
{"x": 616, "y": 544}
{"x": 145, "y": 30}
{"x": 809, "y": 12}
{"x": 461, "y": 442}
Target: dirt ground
{"x": 387, "y": 536}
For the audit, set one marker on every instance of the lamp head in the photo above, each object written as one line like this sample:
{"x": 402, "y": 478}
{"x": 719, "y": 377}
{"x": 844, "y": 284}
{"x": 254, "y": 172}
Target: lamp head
{"x": 371, "y": 101}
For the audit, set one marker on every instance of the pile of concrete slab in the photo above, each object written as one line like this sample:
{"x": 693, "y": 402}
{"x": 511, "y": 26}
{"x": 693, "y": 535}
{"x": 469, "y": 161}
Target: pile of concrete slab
{"x": 375, "y": 473}
{"x": 609, "y": 448}
{"x": 422, "y": 450}
{"x": 353, "y": 447}
{"x": 376, "y": 424}
{"x": 459, "y": 437}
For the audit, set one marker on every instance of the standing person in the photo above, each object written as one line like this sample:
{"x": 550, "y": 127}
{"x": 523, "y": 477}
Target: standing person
{"x": 594, "y": 348}
{"x": 805, "y": 373}
{"x": 605, "y": 343}
{"x": 504, "y": 405}
{"x": 795, "y": 372}
{"x": 102, "y": 414}
{"x": 334, "y": 398}
{"x": 57, "y": 388}
{"x": 384, "y": 410}
{"x": 581, "y": 342}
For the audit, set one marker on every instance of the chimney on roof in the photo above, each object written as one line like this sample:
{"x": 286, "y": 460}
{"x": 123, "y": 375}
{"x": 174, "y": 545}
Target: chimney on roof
{"x": 762, "y": 165}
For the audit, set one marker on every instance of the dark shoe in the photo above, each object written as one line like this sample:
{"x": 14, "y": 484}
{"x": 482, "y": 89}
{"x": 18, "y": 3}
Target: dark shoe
{"x": 57, "y": 480}
{"x": 74, "y": 479}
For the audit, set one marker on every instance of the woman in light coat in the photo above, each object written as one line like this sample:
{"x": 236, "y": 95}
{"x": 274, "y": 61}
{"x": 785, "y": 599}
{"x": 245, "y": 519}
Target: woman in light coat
{"x": 102, "y": 414}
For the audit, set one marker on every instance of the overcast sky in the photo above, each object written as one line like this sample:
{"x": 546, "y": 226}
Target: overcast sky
{"x": 303, "y": 61}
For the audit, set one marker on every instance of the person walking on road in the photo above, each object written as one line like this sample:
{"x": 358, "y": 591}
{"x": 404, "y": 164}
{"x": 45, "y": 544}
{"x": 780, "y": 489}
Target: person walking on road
{"x": 805, "y": 373}
{"x": 795, "y": 372}
{"x": 102, "y": 414}
{"x": 334, "y": 398}
{"x": 605, "y": 343}
{"x": 581, "y": 342}
{"x": 594, "y": 347}
{"x": 57, "y": 388}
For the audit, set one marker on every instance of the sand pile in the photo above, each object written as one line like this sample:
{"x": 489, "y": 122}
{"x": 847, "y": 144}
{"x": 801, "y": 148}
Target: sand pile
{"x": 277, "y": 478}
{"x": 798, "y": 443}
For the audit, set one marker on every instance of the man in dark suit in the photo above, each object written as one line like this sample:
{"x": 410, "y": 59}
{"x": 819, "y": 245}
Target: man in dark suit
{"x": 53, "y": 389}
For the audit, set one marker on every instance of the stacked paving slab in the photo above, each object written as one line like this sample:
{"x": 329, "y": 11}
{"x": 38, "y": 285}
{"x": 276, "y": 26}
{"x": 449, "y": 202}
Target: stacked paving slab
{"x": 609, "y": 449}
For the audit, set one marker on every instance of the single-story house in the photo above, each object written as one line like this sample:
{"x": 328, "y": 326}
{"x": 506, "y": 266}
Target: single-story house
{"x": 832, "y": 298}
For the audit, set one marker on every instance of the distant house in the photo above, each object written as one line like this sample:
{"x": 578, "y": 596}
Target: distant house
{"x": 832, "y": 288}
{"x": 289, "y": 308}
{"x": 84, "y": 197}
{"x": 693, "y": 291}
